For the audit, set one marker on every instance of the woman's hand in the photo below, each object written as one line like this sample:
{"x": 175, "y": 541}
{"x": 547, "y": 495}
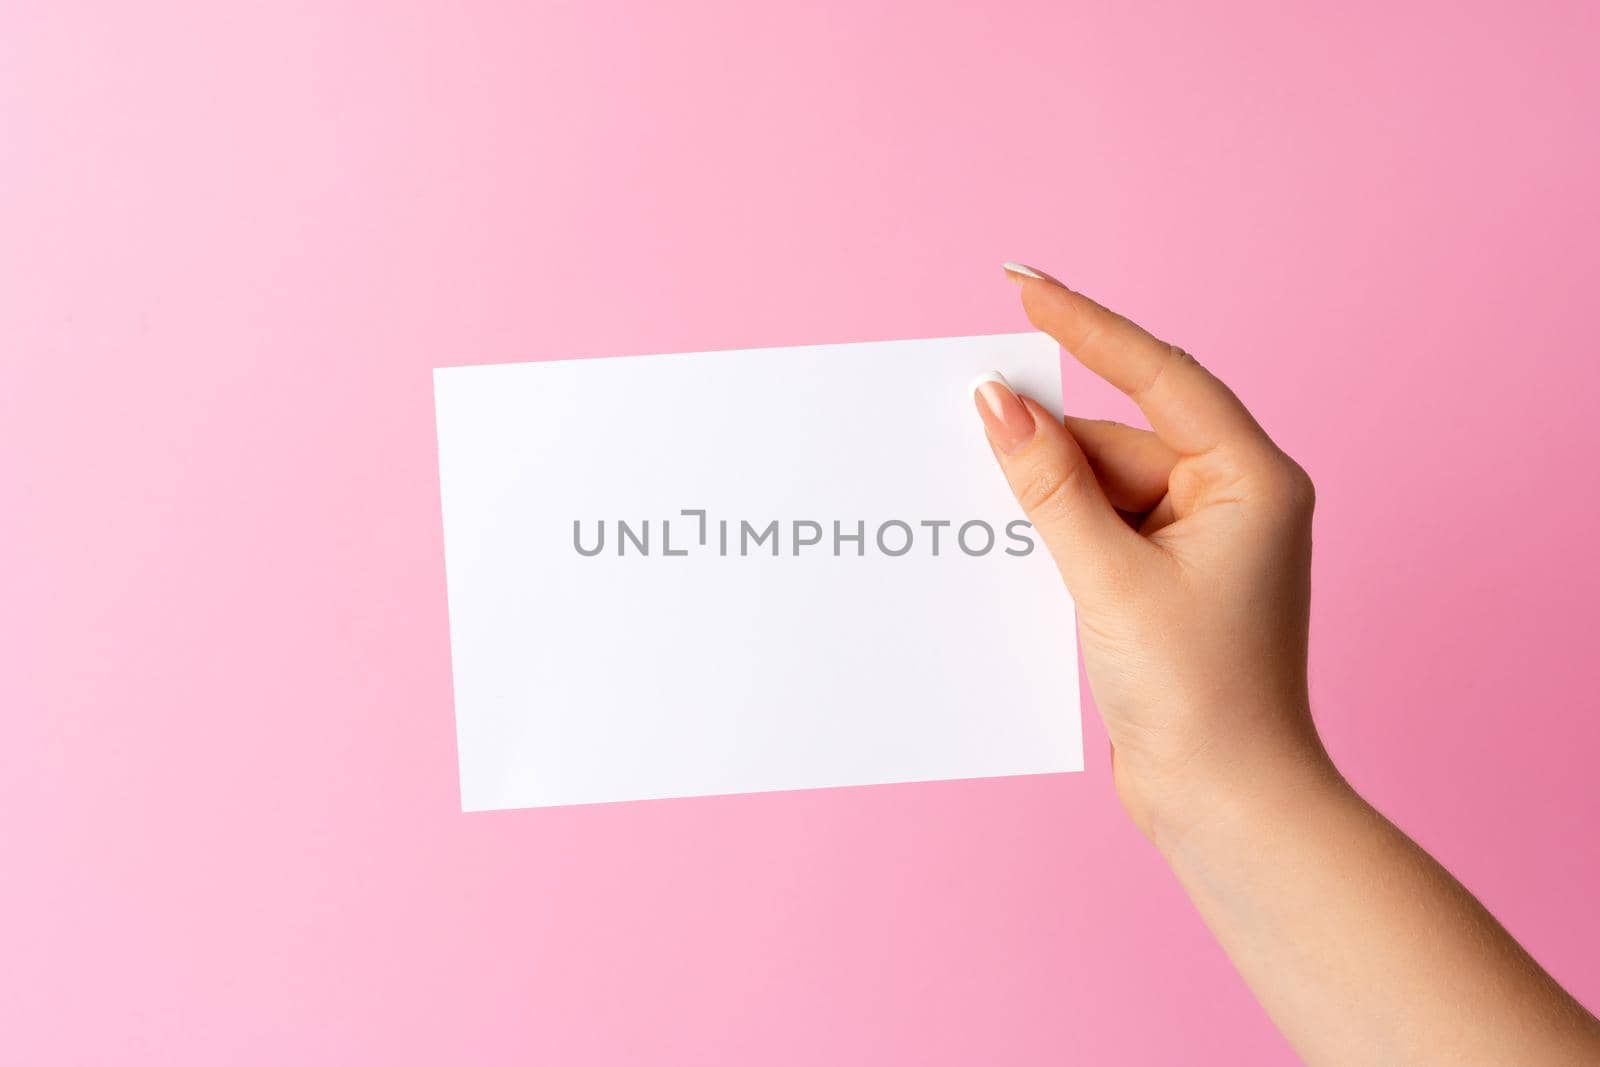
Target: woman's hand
{"x": 1188, "y": 553}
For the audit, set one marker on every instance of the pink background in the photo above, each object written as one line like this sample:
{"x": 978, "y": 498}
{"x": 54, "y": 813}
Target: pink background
{"x": 235, "y": 238}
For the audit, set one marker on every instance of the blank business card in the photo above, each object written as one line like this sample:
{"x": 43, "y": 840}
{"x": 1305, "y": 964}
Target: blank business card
{"x": 734, "y": 572}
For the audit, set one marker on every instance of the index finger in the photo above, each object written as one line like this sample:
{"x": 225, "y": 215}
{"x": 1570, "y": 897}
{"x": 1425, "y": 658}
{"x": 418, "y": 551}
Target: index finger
{"x": 1188, "y": 407}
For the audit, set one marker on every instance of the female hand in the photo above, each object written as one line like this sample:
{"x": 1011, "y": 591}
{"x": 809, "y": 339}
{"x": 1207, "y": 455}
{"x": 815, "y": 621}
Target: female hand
{"x": 1193, "y": 601}
{"x": 1188, "y": 551}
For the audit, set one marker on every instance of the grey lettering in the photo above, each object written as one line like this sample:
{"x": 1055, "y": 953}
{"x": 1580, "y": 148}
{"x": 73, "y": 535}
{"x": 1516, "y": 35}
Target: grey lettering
{"x": 806, "y": 542}
{"x": 640, "y": 541}
{"x": 746, "y": 530}
{"x": 666, "y": 540}
{"x": 961, "y": 537}
{"x": 904, "y": 548}
{"x": 599, "y": 544}
{"x": 935, "y": 525}
{"x": 701, "y": 512}
{"x": 1017, "y": 529}
{"x": 859, "y": 537}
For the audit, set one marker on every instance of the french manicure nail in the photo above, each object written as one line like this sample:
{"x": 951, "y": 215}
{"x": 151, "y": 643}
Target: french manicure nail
{"x": 1006, "y": 418}
{"x": 1018, "y": 271}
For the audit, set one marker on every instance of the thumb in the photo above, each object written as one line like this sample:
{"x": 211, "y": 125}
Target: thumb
{"x": 1056, "y": 487}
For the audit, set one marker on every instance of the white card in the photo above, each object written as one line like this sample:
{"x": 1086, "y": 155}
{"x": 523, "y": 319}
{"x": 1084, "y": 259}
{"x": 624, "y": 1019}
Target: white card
{"x": 699, "y": 648}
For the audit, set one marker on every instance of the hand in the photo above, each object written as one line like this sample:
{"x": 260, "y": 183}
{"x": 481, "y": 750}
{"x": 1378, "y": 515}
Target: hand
{"x": 1188, "y": 553}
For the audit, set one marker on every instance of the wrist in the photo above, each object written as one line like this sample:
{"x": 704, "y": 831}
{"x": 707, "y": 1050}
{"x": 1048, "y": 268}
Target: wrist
{"x": 1221, "y": 795}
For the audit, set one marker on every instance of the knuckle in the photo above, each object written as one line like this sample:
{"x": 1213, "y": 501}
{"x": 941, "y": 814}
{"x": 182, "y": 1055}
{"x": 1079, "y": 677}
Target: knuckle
{"x": 1176, "y": 359}
{"x": 1089, "y": 334}
{"x": 1304, "y": 489}
{"x": 1187, "y": 484}
{"x": 1180, "y": 357}
{"x": 1046, "y": 490}
{"x": 1291, "y": 486}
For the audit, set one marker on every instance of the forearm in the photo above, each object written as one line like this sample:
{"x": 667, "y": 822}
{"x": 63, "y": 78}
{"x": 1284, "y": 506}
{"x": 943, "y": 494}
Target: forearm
{"x": 1194, "y": 626}
{"x": 1360, "y": 946}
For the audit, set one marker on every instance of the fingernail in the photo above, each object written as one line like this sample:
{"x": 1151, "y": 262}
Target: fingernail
{"x": 1013, "y": 270}
{"x": 1018, "y": 271}
{"x": 1009, "y": 422}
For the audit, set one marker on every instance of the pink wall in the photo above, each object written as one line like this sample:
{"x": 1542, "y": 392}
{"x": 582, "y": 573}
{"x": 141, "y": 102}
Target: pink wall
{"x": 232, "y": 244}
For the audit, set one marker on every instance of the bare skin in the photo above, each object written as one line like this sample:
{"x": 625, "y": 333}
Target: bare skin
{"x": 1188, "y": 553}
